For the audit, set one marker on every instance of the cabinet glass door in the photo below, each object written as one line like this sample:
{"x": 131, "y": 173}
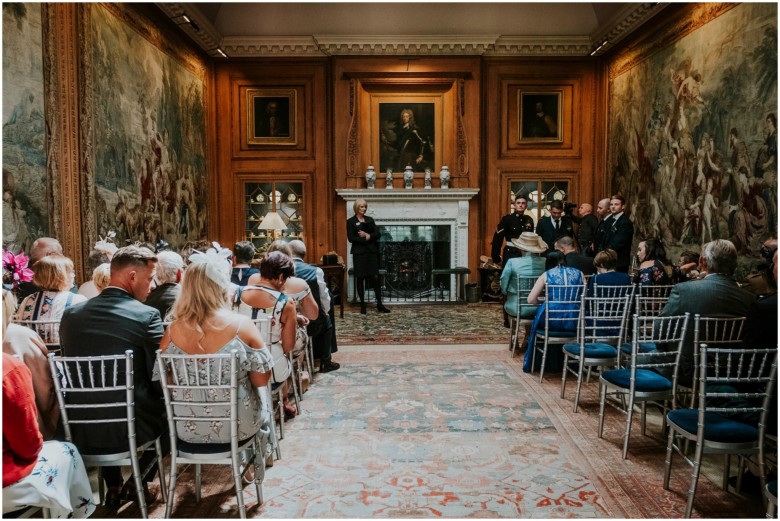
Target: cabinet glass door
{"x": 539, "y": 194}
{"x": 286, "y": 199}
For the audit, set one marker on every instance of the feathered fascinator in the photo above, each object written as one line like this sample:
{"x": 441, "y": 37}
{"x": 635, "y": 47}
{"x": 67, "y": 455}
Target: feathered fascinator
{"x": 218, "y": 263}
{"x": 15, "y": 269}
{"x": 106, "y": 244}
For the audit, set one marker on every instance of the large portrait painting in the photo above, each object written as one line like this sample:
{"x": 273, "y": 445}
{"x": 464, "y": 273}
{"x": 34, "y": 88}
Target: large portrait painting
{"x": 540, "y": 115}
{"x": 25, "y": 210}
{"x": 407, "y": 136}
{"x": 693, "y": 135}
{"x": 149, "y": 138}
{"x": 272, "y": 116}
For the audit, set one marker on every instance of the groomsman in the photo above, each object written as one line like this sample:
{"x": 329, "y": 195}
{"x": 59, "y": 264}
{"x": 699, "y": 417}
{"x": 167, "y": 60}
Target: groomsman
{"x": 616, "y": 232}
{"x": 554, "y": 226}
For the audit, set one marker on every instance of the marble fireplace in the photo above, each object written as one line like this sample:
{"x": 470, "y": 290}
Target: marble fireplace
{"x": 424, "y": 232}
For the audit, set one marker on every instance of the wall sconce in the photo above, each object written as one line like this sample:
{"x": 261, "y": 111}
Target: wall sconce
{"x": 272, "y": 222}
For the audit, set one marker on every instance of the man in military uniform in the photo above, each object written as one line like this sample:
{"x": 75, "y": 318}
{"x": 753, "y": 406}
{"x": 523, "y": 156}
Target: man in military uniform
{"x": 763, "y": 282}
{"x": 510, "y": 227}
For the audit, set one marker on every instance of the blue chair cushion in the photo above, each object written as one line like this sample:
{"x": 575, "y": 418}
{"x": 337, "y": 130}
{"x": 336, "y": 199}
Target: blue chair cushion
{"x": 646, "y": 380}
{"x": 556, "y": 333}
{"x": 771, "y": 487}
{"x": 592, "y": 350}
{"x": 716, "y": 426}
{"x": 644, "y": 347}
{"x": 207, "y": 448}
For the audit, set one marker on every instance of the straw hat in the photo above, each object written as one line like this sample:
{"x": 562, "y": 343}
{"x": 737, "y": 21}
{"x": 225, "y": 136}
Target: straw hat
{"x": 530, "y": 242}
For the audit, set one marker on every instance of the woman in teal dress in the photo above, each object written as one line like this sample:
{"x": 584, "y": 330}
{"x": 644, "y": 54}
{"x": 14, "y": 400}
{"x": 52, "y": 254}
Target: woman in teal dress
{"x": 560, "y": 275}
{"x": 529, "y": 264}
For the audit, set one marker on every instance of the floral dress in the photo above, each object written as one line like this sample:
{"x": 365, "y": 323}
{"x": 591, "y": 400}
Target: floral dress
{"x": 558, "y": 276}
{"x": 654, "y": 275}
{"x": 252, "y": 415}
{"x": 47, "y": 306}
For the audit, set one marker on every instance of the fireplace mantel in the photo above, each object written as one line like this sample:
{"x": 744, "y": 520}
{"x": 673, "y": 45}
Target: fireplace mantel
{"x": 448, "y": 207}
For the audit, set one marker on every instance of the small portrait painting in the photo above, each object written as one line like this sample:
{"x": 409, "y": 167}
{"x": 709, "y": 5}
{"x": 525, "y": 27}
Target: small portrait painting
{"x": 540, "y": 116}
{"x": 406, "y": 136}
{"x": 271, "y": 116}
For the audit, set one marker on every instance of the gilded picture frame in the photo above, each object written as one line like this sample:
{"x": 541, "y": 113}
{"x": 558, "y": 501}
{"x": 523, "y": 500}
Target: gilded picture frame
{"x": 271, "y": 116}
{"x": 540, "y": 116}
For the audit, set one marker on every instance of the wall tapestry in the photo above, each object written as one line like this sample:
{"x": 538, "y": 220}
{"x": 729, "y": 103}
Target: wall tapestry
{"x": 149, "y": 138}
{"x": 693, "y": 135}
{"x": 25, "y": 210}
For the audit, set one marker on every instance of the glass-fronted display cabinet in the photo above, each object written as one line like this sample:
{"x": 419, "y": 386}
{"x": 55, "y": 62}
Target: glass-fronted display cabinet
{"x": 286, "y": 199}
{"x": 539, "y": 194}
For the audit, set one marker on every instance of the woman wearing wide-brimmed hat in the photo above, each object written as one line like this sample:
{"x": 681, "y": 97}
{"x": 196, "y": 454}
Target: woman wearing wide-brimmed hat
{"x": 529, "y": 264}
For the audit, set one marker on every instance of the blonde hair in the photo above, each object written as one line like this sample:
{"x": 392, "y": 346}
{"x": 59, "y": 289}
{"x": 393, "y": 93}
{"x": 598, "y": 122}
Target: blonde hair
{"x": 9, "y": 308}
{"x": 358, "y": 202}
{"x": 280, "y": 245}
{"x": 101, "y": 276}
{"x": 53, "y": 273}
{"x": 200, "y": 297}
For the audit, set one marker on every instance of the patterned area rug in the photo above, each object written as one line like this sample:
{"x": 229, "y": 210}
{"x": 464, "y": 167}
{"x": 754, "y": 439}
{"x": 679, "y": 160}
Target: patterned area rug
{"x": 425, "y": 434}
{"x": 411, "y": 324}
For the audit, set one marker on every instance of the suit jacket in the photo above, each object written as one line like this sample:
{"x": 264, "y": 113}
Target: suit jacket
{"x": 548, "y": 233}
{"x": 617, "y": 235}
{"x": 110, "y": 324}
{"x": 361, "y": 246}
{"x": 713, "y": 296}
{"x": 309, "y": 273}
{"x": 586, "y": 232}
{"x": 581, "y": 262}
{"x": 761, "y": 324}
{"x": 162, "y": 297}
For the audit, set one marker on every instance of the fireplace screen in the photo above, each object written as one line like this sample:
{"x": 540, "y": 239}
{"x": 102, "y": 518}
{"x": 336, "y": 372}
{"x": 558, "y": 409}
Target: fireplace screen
{"x": 409, "y": 254}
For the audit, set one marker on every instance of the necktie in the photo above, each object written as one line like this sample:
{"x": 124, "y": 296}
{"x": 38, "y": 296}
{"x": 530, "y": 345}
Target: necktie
{"x": 557, "y": 225}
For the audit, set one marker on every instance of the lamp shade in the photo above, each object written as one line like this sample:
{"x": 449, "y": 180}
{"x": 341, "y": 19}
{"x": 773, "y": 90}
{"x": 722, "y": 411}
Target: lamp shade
{"x": 272, "y": 221}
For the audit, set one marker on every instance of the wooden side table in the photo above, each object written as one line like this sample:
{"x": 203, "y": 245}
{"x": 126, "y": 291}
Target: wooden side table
{"x": 334, "y": 278}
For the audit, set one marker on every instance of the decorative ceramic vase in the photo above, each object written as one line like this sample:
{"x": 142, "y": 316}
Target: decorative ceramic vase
{"x": 444, "y": 177}
{"x": 389, "y": 179}
{"x": 427, "y": 178}
{"x": 408, "y": 177}
{"x": 370, "y": 177}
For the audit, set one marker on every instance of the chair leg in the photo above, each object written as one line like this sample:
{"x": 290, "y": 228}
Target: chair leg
{"x": 644, "y": 418}
{"x": 629, "y": 419}
{"x": 197, "y": 482}
{"x": 668, "y": 461}
{"x": 727, "y": 473}
{"x": 544, "y": 360}
{"x": 259, "y": 471}
{"x": 602, "y": 403}
{"x": 580, "y": 371}
{"x": 512, "y": 335}
{"x": 101, "y": 486}
{"x": 296, "y": 394}
{"x": 236, "y": 464}
{"x": 139, "y": 487}
{"x": 161, "y": 469}
{"x": 171, "y": 485}
{"x": 694, "y": 479}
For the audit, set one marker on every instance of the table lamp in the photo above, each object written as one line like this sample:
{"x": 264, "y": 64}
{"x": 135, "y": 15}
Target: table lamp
{"x": 273, "y": 222}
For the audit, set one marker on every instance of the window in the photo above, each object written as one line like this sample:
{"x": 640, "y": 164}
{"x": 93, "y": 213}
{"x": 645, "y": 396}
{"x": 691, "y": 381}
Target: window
{"x": 539, "y": 194}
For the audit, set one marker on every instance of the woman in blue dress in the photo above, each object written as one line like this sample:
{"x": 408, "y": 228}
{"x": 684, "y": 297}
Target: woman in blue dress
{"x": 654, "y": 269}
{"x": 560, "y": 275}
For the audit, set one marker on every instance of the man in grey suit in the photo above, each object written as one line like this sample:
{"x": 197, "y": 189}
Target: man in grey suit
{"x": 109, "y": 324}
{"x": 716, "y": 295}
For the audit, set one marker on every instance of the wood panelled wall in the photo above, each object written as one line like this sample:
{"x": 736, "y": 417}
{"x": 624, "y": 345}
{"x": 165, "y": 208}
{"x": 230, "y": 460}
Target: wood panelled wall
{"x": 335, "y": 136}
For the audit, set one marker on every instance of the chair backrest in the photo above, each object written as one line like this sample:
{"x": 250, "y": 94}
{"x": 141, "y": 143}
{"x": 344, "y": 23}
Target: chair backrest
{"x": 718, "y": 330}
{"x": 263, "y": 324}
{"x": 562, "y": 310}
{"x": 604, "y": 319}
{"x": 668, "y": 334}
{"x": 93, "y": 390}
{"x": 48, "y": 330}
{"x": 215, "y": 376}
{"x": 736, "y": 382}
{"x": 650, "y": 300}
{"x": 618, "y": 292}
{"x": 525, "y": 283}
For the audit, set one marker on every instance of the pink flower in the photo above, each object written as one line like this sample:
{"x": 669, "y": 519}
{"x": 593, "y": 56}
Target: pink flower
{"x": 15, "y": 268}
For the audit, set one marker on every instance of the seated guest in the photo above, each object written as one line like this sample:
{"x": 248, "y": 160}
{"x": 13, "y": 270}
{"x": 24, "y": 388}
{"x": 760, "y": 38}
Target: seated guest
{"x": 605, "y": 263}
{"x": 267, "y": 296}
{"x": 109, "y": 324}
{"x": 529, "y": 264}
{"x": 763, "y": 283}
{"x": 95, "y": 259}
{"x": 102, "y": 277}
{"x": 42, "y": 247}
{"x": 561, "y": 275}
{"x": 554, "y": 226}
{"x": 26, "y": 345}
{"x": 716, "y": 295}
{"x": 322, "y": 330}
{"x": 687, "y": 268}
{"x": 54, "y": 276}
{"x": 243, "y": 252}
{"x": 49, "y": 475}
{"x": 576, "y": 260}
{"x": 203, "y": 325}
{"x": 653, "y": 266}
{"x": 761, "y": 323}
{"x": 167, "y": 277}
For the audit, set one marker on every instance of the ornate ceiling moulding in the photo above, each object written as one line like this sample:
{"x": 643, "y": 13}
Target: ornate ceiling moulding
{"x": 270, "y": 46}
{"x": 541, "y": 46}
{"x": 191, "y": 20}
{"x": 442, "y": 45}
{"x": 625, "y": 22}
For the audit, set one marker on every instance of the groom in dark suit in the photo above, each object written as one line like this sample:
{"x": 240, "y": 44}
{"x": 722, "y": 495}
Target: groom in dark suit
{"x": 555, "y": 226}
{"x": 716, "y": 295}
{"x": 109, "y": 324}
{"x": 616, "y": 232}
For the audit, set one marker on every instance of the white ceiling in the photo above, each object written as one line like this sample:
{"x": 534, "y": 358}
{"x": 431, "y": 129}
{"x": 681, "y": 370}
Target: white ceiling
{"x": 243, "y": 29}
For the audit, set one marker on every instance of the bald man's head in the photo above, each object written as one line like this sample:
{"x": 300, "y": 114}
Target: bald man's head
{"x": 602, "y": 209}
{"x": 42, "y": 247}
